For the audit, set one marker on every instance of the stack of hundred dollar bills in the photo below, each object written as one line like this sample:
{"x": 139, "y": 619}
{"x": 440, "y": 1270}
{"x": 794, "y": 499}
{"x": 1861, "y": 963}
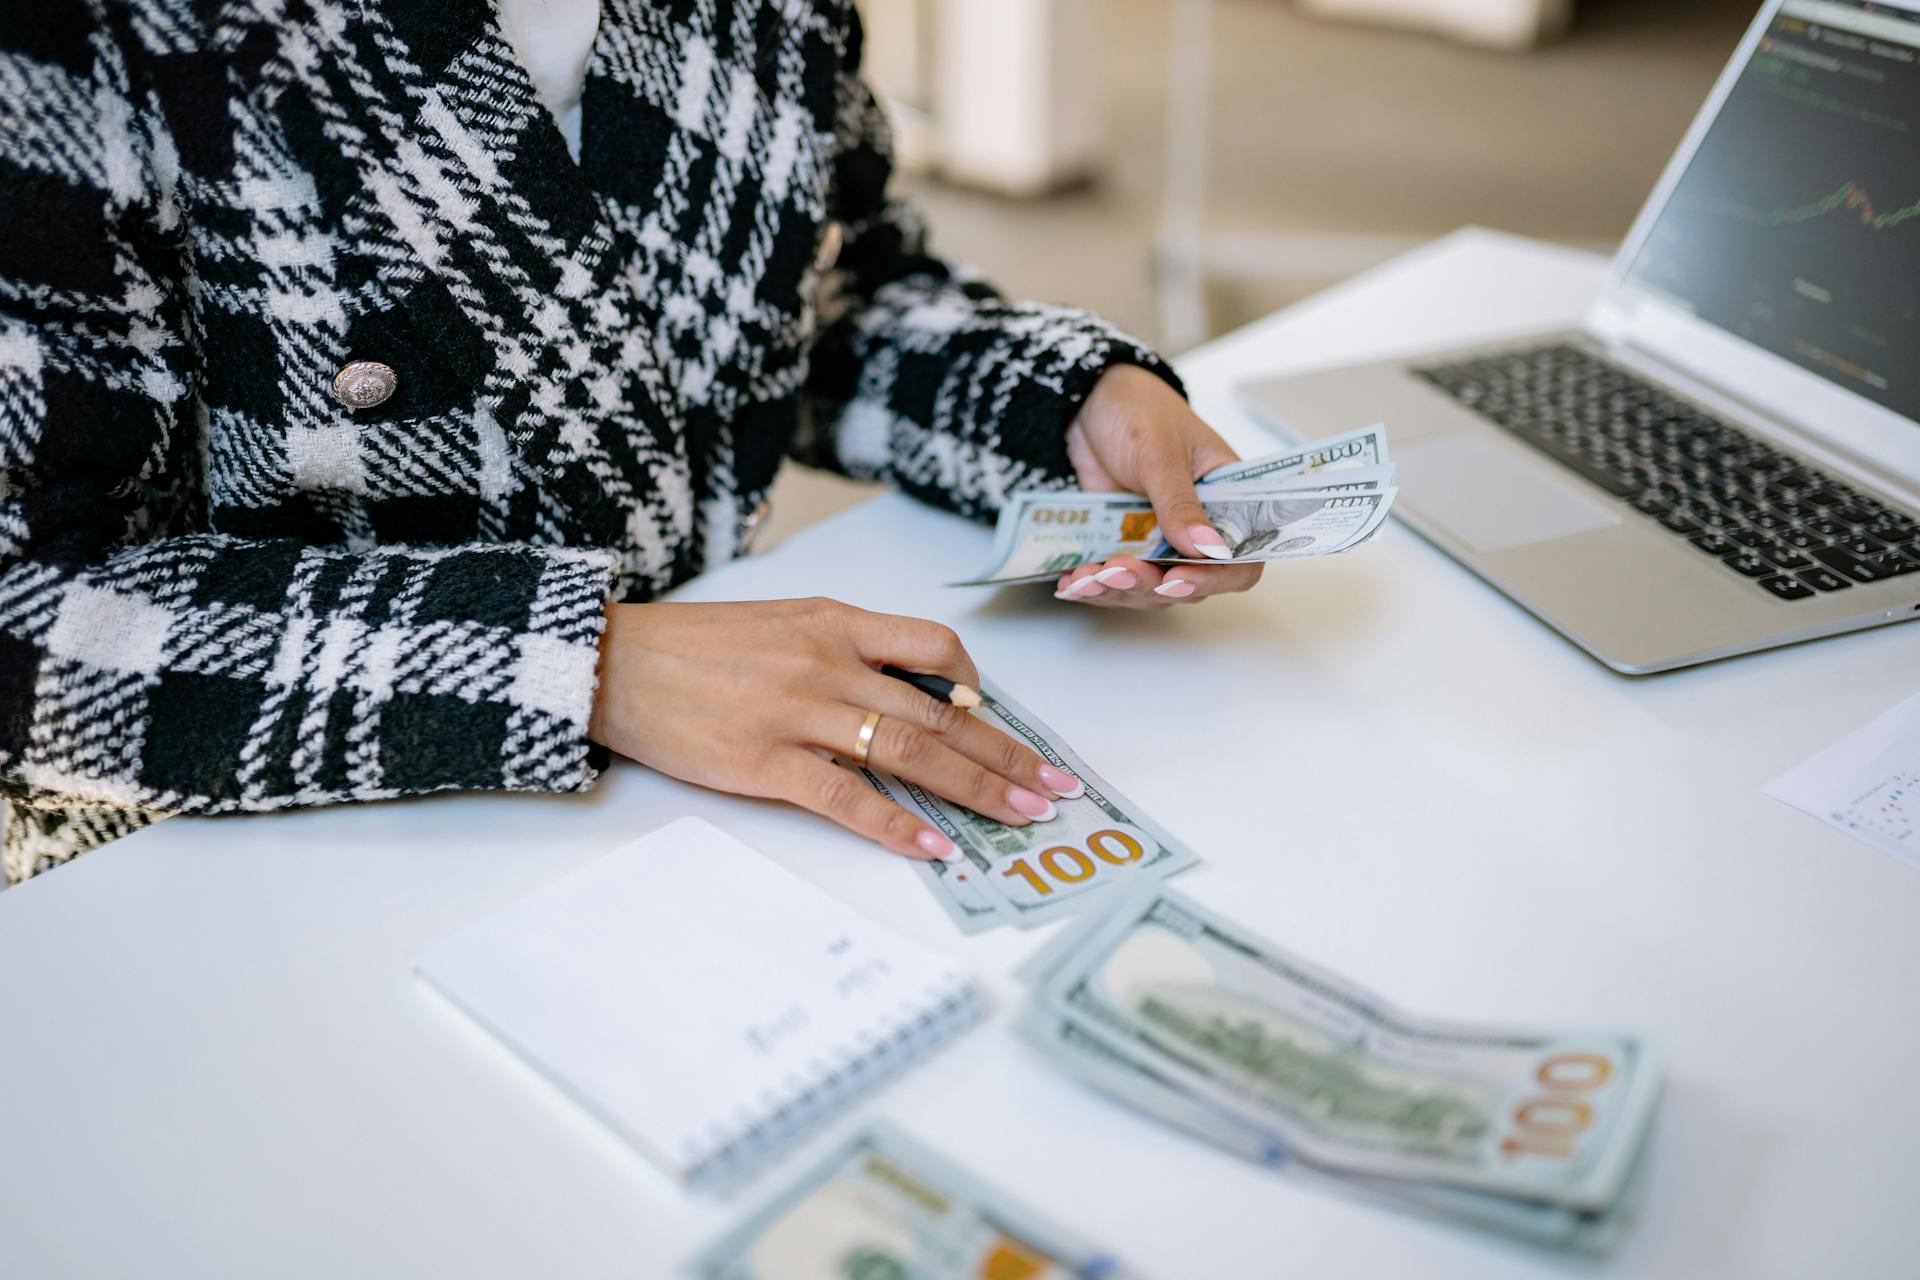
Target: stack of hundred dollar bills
{"x": 1316, "y": 501}
{"x": 1218, "y": 1032}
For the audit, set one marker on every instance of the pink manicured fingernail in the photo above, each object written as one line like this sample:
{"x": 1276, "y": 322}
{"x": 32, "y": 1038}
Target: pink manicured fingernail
{"x": 1210, "y": 543}
{"x": 1039, "y": 808}
{"x": 1119, "y": 577}
{"x": 1177, "y": 588}
{"x": 932, "y": 842}
{"x": 1086, "y": 587}
{"x": 1062, "y": 783}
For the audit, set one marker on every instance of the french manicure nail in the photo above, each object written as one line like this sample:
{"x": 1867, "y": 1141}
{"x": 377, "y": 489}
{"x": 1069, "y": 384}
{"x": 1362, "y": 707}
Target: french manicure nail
{"x": 1039, "y": 808}
{"x": 1210, "y": 543}
{"x": 1087, "y": 586}
{"x": 931, "y": 841}
{"x": 1119, "y": 576}
{"x": 1062, "y": 783}
{"x": 1178, "y": 589}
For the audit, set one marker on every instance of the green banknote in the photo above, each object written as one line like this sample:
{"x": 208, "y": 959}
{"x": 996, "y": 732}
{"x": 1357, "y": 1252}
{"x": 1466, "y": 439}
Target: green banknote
{"x": 883, "y": 1207}
{"x": 1331, "y": 1075}
{"x": 1284, "y": 505}
{"x": 1366, "y": 447}
{"x": 1029, "y": 875}
{"x": 1139, "y": 1086}
{"x": 1041, "y": 535}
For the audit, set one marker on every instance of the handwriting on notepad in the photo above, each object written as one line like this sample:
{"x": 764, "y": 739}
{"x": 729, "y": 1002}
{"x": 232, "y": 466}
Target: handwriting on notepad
{"x": 861, "y": 976}
{"x": 765, "y": 1037}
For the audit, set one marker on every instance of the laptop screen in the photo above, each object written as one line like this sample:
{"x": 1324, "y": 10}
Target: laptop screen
{"x": 1796, "y": 224}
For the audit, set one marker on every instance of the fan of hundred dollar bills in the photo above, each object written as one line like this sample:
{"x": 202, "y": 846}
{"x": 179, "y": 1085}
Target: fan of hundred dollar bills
{"x": 1318, "y": 501}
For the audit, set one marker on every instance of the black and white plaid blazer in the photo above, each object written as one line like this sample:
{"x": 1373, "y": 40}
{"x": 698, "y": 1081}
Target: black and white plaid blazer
{"x": 223, "y": 589}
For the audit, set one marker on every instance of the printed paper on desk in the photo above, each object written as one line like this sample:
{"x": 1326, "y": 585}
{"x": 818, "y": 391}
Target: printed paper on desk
{"x": 1867, "y": 784}
{"x": 703, "y": 1001}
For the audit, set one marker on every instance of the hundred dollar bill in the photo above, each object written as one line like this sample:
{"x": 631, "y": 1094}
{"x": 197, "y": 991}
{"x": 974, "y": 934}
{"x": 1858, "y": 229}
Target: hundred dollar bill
{"x": 1365, "y": 447}
{"x": 1028, "y": 875}
{"x": 1285, "y": 524}
{"x": 885, "y": 1207}
{"x": 1042, "y": 535}
{"x": 1140, "y": 1087}
{"x": 1344, "y": 480}
{"x": 1338, "y": 1078}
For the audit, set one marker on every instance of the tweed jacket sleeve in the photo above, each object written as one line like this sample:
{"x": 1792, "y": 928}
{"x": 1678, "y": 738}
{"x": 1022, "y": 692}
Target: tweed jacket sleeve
{"x": 147, "y": 665}
{"x": 922, "y": 373}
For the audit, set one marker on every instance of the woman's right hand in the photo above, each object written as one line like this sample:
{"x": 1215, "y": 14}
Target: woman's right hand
{"x": 752, "y": 697}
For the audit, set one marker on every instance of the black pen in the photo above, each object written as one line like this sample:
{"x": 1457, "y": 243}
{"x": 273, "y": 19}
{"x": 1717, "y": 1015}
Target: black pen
{"x": 937, "y": 687}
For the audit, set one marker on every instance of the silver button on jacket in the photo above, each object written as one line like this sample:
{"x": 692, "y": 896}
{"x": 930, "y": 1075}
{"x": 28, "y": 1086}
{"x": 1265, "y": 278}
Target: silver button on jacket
{"x": 364, "y": 384}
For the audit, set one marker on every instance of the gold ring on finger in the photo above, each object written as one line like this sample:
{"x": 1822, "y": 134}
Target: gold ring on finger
{"x": 863, "y": 745}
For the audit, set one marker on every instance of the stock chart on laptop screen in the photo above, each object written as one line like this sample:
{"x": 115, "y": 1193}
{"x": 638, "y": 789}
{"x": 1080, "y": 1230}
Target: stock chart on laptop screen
{"x": 1797, "y": 222}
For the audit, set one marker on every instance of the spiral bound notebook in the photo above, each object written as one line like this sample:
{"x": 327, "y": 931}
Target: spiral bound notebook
{"x": 707, "y": 1004}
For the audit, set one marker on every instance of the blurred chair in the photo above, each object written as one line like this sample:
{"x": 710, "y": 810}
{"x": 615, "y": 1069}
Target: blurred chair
{"x": 1000, "y": 95}
{"x": 1189, "y": 253}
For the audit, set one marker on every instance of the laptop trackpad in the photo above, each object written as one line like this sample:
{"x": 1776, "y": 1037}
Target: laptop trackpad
{"x": 1491, "y": 497}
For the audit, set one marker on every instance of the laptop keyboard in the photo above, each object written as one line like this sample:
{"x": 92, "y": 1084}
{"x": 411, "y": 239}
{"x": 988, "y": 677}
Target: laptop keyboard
{"x": 1793, "y": 530}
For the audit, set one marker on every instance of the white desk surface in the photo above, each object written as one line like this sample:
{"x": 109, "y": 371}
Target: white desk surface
{"x": 217, "y": 1061}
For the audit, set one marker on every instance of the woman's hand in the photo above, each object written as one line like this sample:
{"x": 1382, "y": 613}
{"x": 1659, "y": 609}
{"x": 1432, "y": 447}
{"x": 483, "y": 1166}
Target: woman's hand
{"x": 754, "y": 697}
{"x": 1135, "y": 434}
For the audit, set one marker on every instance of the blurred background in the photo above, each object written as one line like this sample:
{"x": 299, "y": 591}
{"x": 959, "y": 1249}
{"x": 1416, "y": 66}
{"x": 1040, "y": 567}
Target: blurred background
{"x": 1185, "y": 166}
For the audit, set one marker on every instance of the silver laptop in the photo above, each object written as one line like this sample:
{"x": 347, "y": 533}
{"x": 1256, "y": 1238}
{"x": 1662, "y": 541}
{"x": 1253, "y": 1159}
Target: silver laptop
{"x": 1725, "y": 456}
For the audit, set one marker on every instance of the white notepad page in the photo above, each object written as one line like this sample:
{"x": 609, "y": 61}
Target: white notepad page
{"x": 700, "y": 999}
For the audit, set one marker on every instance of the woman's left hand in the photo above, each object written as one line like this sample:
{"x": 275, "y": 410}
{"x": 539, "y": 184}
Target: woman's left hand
{"x": 1135, "y": 434}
